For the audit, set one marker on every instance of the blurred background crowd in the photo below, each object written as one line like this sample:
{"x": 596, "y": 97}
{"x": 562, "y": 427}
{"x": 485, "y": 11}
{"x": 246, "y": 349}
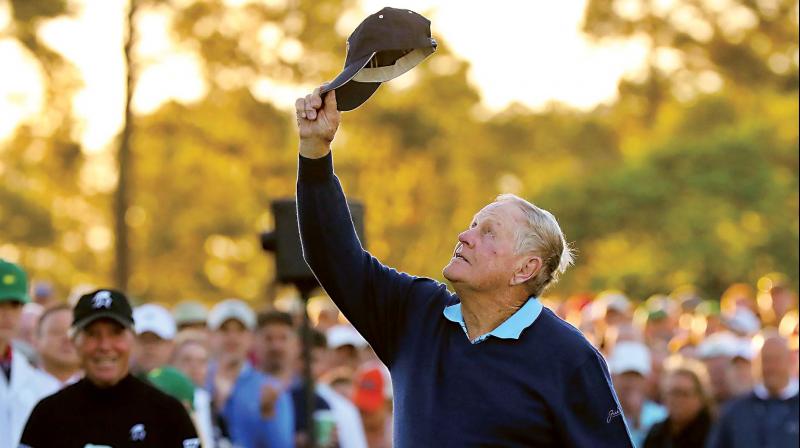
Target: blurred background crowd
{"x": 689, "y": 371}
{"x": 141, "y": 142}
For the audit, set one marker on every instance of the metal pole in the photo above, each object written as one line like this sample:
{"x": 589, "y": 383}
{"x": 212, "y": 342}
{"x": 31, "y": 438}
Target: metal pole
{"x": 308, "y": 379}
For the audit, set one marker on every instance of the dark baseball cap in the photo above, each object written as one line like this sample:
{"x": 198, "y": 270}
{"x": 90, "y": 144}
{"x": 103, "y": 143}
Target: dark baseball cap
{"x": 384, "y": 46}
{"x": 102, "y": 304}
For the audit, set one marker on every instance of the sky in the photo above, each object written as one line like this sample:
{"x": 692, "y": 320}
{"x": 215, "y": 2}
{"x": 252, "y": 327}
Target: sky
{"x": 531, "y": 52}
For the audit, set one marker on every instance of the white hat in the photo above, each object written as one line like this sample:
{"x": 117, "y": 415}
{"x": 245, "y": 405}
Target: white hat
{"x": 743, "y": 322}
{"x": 190, "y": 312}
{"x": 719, "y": 344}
{"x": 231, "y": 309}
{"x": 155, "y": 319}
{"x": 629, "y": 356}
{"x": 341, "y": 335}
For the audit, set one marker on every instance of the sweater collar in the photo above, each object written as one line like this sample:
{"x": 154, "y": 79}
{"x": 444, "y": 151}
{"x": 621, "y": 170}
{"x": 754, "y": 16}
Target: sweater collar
{"x": 511, "y": 328}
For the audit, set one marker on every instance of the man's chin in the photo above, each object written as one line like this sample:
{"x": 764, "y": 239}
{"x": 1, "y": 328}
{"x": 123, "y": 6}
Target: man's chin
{"x": 449, "y": 273}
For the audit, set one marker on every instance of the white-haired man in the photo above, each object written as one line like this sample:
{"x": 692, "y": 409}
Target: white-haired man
{"x": 486, "y": 366}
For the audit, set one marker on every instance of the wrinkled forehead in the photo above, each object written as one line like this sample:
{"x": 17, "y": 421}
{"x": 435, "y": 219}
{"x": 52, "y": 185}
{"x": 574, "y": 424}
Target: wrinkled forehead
{"x": 504, "y": 212}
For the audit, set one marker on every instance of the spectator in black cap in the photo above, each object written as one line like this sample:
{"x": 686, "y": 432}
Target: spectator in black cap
{"x": 109, "y": 406}
{"x": 487, "y": 365}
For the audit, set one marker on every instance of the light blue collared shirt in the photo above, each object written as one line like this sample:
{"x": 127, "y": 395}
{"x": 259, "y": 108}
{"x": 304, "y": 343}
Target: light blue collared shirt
{"x": 510, "y": 329}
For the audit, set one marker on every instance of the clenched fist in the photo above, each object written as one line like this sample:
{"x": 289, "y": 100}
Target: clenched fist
{"x": 317, "y": 122}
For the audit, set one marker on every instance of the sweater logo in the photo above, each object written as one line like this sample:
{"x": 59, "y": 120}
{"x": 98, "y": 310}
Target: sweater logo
{"x": 137, "y": 432}
{"x": 612, "y": 414}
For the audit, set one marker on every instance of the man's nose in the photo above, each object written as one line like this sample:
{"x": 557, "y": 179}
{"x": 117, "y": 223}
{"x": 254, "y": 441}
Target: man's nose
{"x": 466, "y": 238}
{"x": 104, "y": 342}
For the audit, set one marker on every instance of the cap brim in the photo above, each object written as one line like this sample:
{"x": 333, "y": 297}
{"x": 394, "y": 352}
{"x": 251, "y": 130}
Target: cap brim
{"x": 83, "y": 323}
{"x": 21, "y": 299}
{"x": 351, "y": 94}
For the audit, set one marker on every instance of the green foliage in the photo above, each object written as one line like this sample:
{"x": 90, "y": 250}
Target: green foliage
{"x": 657, "y": 190}
{"x": 710, "y": 208}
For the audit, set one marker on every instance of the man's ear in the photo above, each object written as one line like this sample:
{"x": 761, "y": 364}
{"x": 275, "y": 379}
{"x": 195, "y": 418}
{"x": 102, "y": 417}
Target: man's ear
{"x": 526, "y": 270}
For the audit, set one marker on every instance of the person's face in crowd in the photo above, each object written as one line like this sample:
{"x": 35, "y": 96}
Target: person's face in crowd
{"x": 343, "y": 386}
{"x": 345, "y": 356}
{"x": 280, "y": 345}
{"x": 682, "y": 397}
{"x": 484, "y": 258}
{"x": 773, "y": 365}
{"x": 104, "y": 347}
{"x": 658, "y": 354}
{"x": 191, "y": 358}
{"x": 717, "y": 367}
{"x": 234, "y": 340}
{"x": 631, "y": 390}
{"x": 53, "y": 342}
{"x": 659, "y": 330}
{"x": 740, "y": 376}
{"x": 320, "y": 361}
{"x": 374, "y": 421}
{"x": 328, "y": 317}
{"x": 616, "y": 318}
{"x": 10, "y": 312}
{"x": 783, "y": 300}
{"x": 152, "y": 351}
{"x": 713, "y": 325}
{"x": 27, "y": 323}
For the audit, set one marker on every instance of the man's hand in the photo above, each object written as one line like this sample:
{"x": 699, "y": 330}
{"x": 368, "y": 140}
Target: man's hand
{"x": 317, "y": 123}
{"x": 269, "y": 398}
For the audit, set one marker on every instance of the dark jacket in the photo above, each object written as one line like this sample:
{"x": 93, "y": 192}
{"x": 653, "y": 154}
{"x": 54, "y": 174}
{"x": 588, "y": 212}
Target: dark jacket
{"x": 692, "y": 436}
{"x": 751, "y": 421}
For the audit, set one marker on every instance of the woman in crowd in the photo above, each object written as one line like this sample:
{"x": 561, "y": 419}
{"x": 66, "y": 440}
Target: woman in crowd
{"x": 687, "y": 395}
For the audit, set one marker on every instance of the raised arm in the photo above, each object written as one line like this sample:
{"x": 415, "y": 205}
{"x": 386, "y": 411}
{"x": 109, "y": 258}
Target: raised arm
{"x": 376, "y": 299}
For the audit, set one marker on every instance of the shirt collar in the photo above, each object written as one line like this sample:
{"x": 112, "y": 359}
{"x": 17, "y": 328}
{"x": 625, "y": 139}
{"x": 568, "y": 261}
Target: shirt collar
{"x": 789, "y": 391}
{"x": 511, "y": 328}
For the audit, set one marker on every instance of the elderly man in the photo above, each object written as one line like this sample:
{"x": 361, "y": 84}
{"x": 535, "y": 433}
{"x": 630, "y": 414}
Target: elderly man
{"x": 486, "y": 366}
{"x": 109, "y": 406}
{"x": 767, "y": 416}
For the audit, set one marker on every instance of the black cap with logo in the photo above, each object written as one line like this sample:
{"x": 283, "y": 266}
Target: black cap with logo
{"x": 102, "y": 304}
{"x": 384, "y": 46}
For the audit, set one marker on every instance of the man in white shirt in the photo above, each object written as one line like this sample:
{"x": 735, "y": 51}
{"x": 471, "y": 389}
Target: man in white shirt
{"x": 21, "y": 386}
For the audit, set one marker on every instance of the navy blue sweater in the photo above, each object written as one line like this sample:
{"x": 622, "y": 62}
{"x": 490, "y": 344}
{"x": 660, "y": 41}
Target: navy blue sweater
{"x": 548, "y": 388}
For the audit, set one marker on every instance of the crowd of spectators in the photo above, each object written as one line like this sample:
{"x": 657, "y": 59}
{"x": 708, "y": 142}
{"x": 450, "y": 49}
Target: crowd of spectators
{"x": 688, "y": 371}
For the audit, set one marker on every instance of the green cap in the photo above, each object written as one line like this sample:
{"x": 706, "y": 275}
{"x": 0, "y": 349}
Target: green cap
{"x": 173, "y": 382}
{"x": 13, "y": 283}
{"x": 708, "y": 308}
